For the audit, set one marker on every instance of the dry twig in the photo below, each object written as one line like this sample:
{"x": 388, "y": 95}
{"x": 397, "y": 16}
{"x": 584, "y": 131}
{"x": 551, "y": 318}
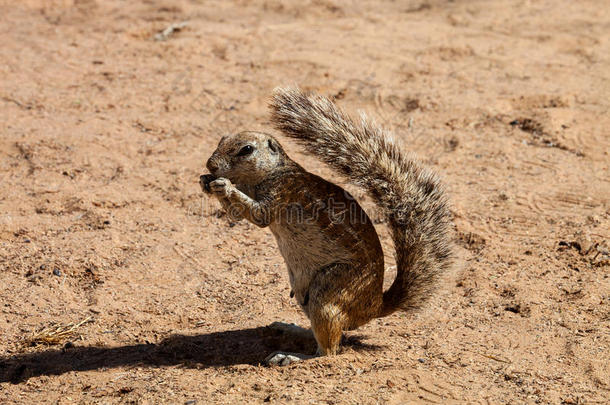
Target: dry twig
{"x": 56, "y": 334}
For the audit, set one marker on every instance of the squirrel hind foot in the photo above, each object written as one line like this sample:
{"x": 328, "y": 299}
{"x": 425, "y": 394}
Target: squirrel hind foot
{"x": 286, "y": 358}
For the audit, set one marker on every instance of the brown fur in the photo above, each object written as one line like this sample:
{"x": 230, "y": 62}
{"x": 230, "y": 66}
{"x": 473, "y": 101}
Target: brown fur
{"x": 331, "y": 248}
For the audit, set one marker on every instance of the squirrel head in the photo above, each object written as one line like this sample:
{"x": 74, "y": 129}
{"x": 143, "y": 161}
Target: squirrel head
{"x": 246, "y": 157}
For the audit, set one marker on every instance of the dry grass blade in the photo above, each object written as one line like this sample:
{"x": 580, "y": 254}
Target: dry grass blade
{"x": 55, "y": 334}
{"x": 489, "y": 356}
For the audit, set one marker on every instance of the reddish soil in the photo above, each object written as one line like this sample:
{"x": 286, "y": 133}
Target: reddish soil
{"x": 104, "y": 132}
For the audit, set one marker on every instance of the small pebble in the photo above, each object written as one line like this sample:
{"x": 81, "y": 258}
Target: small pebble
{"x": 56, "y": 272}
{"x": 421, "y": 360}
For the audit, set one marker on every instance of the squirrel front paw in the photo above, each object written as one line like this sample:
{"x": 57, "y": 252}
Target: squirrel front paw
{"x": 204, "y": 181}
{"x": 221, "y": 187}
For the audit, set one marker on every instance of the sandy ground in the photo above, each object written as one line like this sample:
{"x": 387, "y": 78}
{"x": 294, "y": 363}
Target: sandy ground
{"x": 104, "y": 131}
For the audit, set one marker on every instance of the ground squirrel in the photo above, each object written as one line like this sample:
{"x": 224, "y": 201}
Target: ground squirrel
{"x": 330, "y": 246}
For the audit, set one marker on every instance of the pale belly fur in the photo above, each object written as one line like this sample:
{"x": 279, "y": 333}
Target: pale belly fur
{"x": 305, "y": 250}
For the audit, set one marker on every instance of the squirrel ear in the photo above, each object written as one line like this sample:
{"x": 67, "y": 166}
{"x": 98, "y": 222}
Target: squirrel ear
{"x": 273, "y": 145}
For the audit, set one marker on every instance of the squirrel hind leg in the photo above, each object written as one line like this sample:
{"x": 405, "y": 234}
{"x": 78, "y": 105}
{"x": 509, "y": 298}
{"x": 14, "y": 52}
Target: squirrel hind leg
{"x": 342, "y": 297}
{"x": 328, "y": 333}
{"x": 327, "y": 307}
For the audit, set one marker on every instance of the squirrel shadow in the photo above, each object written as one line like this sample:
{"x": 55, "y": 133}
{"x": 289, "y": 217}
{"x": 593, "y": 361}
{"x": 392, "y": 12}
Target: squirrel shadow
{"x": 243, "y": 346}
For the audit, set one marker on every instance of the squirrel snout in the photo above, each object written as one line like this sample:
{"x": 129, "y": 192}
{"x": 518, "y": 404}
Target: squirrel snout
{"x": 212, "y": 165}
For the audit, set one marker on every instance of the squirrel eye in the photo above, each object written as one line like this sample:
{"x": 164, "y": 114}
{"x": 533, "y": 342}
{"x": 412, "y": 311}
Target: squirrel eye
{"x": 246, "y": 150}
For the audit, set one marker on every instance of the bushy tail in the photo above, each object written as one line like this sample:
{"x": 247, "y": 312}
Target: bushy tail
{"x": 411, "y": 196}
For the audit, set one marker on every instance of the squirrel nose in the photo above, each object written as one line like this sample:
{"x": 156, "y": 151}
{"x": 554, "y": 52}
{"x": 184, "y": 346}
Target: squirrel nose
{"x": 212, "y": 166}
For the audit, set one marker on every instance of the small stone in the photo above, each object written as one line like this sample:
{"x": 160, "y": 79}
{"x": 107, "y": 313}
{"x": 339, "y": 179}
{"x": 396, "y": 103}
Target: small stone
{"x": 586, "y": 245}
{"x": 421, "y": 360}
{"x": 56, "y": 272}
